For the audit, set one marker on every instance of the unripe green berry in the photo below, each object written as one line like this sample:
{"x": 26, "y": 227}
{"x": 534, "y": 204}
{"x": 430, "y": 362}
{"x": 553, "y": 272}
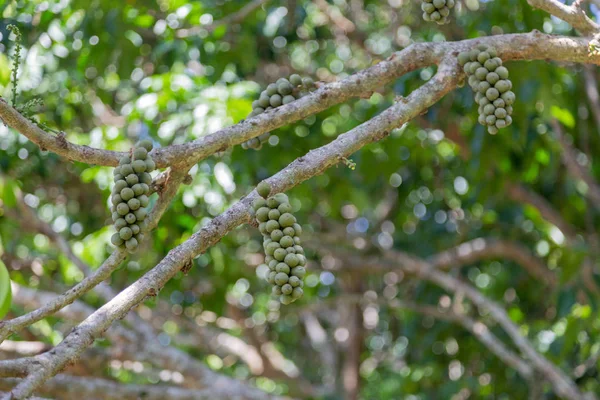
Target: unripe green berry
{"x": 276, "y": 235}
{"x": 134, "y": 228}
{"x": 263, "y": 189}
{"x": 281, "y": 278}
{"x": 139, "y": 166}
{"x": 300, "y": 272}
{"x": 125, "y": 233}
{"x": 298, "y": 228}
{"x": 292, "y": 260}
{"x": 146, "y": 178}
{"x": 116, "y": 240}
{"x": 276, "y": 291}
{"x": 143, "y": 200}
{"x": 130, "y": 218}
{"x": 289, "y": 231}
{"x": 133, "y": 204}
{"x": 131, "y": 244}
{"x": 119, "y": 185}
{"x": 286, "y": 241}
{"x": 132, "y": 179}
{"x": 271, "y": 277}
{"x": 297, "y": 293}
{"x": 138, "y": 189}
{"x": 272, "y": 225}
{"x": 287, "y": 220}
{"x": 127, "y": 193}
{"x": 122, "y": 209}
{"x": 283, "y": 267}
{"x": 286, "y": 299}
{"x": 287, "y": 289}
{"x": 140, "y": 214}
{"x": 274, "y": 214}
{"x": 126, "y": 169}
{"x": 120, "y": 223}
{"x": 271, "y": 247}
{"x": 146, "y": 144}
{"x": 262, "y": 214}
{"x": 294, "y": 281}
{"x": 258, "y": 203}
{"x": 140, "y": 153}
{"x": 279, "y": 254}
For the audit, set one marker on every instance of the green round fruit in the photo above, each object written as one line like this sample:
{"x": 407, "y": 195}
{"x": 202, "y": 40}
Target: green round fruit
{"x": 119, "y": 185}
{"x": 274, "y": 214}
{"x": 271, "y": 277}
{"x": 294, "y": 281}
{"x": 125, "y": 233}
{"x": 289, "y": 231}
{"x": 272, "y": 225}
{"x": 285, "y": 88}
{"x": 297, "y": 293}
{"x": 307, "y": 82}
{"x": 298, "y": 228}
{"x": 139, "y": 166}
{"x": 146, "y": 144}
{"x": 492, "y": 94}
{"x": 287, "y": 289}
{"x": 271, "y": 247}
{"x": 435, "y": 16}
{"x": 134, "y": 228}
{"x": 502, "y": 72}
{"x": 141, "y": 214}
{"x": 483, "y": 87}
{"x": 287, "y": 220}
{"x": 286, "y": 241}
{"x": 272, "y": 264}
{"x": 297, "y": 240}
{"x": 499, "y": 103}
{"x": 292, "y": 260}
{"x": 490, "y": 120}
{"x": 143, "y": 200}
{"x": 131, "y": 244}
{"x": 115, "y": 216}
{"x": 428, "y": 8}
{"x": 262, "y": 214}
{"x": 126, "y": 169}
{"x": 132, "y": 179}
{"x": 133, "y": 204}
{"x": 283, "y": 267}
{"x": 258, "y": 203}
{"x": 463, "y": 57}
{"x": 116, "y": 199}
{"x": 492, "y": 130}
{"x": 508, "y": 97}
{"x": 300, "y": 251}
{"x": 281, "y": 278}
{"x": 275, "y": 100}
{"x": 120, "y": 223}
{"x": 150, "y": 164}
{"x": 279, "y": 254}
{"x": 263, "y": 189}
{"x": 276, "y": 291}
{"x": 492, "y": 78}
{"x": 300, "y": 272}
{"x": 138, "y": 189}
{"x": 276, "y": 235}
{"x": 481, "y": 73}
{"x": 489, "y": 109}
{"x": 285, "y": 208}
{"x": 491, "y": 65}
{"x": 288, "y": 99}
{"x": 124, "y": 160}
{"x": 140, "y": 153}
{"x": 146, "y": 178}
{"x": 295, "y": 79}
{"x": 122, "y": 209}
{"x": 500, "y": 123}
{"x": 126, "y": 194}
{"x": 286, "y": 299}
{"x": 500, "y": 113}
{"x": 116, "y": 240}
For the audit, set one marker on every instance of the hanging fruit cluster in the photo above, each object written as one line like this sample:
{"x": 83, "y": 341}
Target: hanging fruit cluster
{"x": 284, "y": 91}
{"x": 437, "y": 10}
{"x": 130, "y": 196}
{"x": 284, "y": 253}
{"x": 489, "y": 80}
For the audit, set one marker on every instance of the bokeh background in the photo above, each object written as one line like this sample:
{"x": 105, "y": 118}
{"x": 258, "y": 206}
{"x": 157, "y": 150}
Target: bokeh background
{"x": 111, "y": 71}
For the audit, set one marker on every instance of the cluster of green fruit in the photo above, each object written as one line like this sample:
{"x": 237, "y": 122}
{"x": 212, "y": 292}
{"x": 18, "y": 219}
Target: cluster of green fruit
{"x": 284, "y": 253}
{"x": 284, "y": 91}
{"x": 437, "y": 10}
{"x": 130, "y": 196}
{"x": 489, "y": 80}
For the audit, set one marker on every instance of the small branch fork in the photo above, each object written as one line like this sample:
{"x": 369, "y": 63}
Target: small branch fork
{"x": 37, "y": 370}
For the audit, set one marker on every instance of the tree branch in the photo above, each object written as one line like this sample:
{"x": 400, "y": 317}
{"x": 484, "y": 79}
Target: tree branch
{"x": 528, "y": 46}
{"x": 574, "y": 15}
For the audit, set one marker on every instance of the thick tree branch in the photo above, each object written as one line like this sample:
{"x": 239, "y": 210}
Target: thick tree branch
{"x": 574, "y": 15}
{"x": 67, "y": 387}
{"x": 529, "y": 46}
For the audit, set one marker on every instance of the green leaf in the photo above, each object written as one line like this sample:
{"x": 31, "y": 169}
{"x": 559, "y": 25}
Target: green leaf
{"x": 5, "y": 291}
{"x": 563, "y": 115}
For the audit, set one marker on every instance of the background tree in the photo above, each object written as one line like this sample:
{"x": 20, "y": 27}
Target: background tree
{"x": 444, "y": 262}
